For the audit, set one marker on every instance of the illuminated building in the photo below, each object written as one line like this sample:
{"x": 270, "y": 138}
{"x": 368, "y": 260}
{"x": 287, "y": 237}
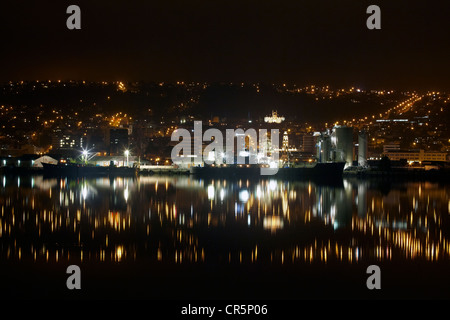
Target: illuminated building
{"x": 416, "y": 156}
{"x": 395, "y": 146}
{"x": 67, "y": 141}
{"x": 274, "y": 118}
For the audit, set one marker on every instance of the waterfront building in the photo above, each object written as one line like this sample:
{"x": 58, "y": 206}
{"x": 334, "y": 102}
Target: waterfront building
{"x": 417, "y": 155}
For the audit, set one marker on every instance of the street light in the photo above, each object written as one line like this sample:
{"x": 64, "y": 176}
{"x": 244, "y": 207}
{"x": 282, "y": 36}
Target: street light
{"x": 85, "y": 154}
{"x": 127, "y": 153}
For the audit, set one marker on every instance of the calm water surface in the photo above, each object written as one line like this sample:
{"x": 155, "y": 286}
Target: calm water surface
{"x": 180, "y": 237}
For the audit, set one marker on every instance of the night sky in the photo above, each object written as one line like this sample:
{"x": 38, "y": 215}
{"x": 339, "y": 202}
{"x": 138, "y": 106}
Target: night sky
{"x": 301, "y": 42}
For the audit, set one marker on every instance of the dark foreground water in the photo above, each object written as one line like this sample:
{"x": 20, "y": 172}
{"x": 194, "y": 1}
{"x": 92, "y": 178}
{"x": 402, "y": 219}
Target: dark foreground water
{"x": 184, "y": 238}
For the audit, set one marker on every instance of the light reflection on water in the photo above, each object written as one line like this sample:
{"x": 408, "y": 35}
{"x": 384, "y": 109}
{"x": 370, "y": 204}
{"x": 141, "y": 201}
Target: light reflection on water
{"x": 183, "y": 220}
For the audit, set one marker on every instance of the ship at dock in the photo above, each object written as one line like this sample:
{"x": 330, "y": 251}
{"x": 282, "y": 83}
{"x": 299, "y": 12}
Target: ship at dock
{"x": 79, "y": 170}
{"x": 303, "y": 171}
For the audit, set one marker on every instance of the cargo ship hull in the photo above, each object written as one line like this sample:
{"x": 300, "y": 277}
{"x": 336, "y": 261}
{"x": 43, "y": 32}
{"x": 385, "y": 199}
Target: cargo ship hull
{"x": 326, "y": 171}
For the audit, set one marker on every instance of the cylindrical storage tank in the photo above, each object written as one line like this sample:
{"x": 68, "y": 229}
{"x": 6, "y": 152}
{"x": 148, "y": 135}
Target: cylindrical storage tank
{"x": 326, "y": 148}
{"x": 362, "y": 149}
{"x": 344, "y": 144}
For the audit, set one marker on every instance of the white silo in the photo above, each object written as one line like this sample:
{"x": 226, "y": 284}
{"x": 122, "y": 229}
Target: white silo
{"x": 344, "y": 144}
{"x": 324, "y": 148}
{"x": 362, "y": 149}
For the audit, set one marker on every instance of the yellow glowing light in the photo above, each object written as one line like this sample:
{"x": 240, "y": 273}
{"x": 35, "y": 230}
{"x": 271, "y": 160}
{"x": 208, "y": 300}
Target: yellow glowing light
{"x": 119, "y": 253}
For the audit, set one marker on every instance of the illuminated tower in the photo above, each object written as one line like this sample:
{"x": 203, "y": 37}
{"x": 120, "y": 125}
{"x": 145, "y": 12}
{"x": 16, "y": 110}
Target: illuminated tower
{"x": 285, "y": 141}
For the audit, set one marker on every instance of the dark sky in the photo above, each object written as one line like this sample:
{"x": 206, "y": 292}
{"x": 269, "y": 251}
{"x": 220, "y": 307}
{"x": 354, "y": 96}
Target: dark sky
{"x": 321, "y": 41}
